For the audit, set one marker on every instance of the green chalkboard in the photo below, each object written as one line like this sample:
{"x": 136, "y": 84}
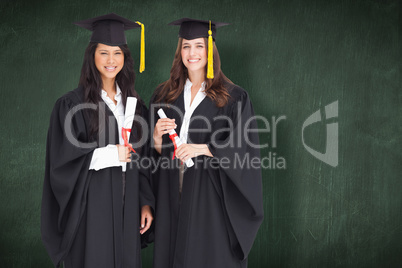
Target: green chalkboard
{"x": 329, "y": 201}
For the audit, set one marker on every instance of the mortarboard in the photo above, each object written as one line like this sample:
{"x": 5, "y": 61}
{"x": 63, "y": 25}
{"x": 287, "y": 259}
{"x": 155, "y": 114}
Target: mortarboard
{"x": 109, "y": 30}
{"x": 192, "y": 29}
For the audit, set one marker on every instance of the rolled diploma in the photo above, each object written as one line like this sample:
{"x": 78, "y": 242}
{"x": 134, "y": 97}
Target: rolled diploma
{"x": 129, "y": 114}
{"x": 189, "y": 162}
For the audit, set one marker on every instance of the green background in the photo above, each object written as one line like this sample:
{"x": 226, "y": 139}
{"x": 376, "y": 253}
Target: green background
{"x": 293, "y": 57}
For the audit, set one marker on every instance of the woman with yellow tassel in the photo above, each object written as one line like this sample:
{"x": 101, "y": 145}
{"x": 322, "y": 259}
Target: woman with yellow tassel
{"x": 208, "y": 207}
{"x": 96, "y": 207}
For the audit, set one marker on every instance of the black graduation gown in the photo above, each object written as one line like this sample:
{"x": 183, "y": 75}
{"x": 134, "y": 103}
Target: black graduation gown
{"x": 84, "y": 221}
{"x": 213, "y": 223}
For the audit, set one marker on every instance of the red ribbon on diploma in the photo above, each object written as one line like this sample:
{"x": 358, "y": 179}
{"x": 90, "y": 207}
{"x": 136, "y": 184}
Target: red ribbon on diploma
{"x": 125, "y": 138}
{"x": 174, "y": 143}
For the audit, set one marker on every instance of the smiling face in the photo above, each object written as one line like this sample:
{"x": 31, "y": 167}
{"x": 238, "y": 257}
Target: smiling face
{"x": 109, "y": 60}
{"x": 194, "y": 54}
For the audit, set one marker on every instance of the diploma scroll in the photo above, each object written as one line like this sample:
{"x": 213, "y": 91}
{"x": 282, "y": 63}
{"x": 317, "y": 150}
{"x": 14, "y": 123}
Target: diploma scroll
{"x": 129, "y": 114}
{"x": 175, "y": 138}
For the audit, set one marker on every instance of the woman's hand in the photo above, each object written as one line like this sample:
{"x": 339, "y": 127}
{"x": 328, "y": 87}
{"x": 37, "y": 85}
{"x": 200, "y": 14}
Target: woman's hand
{"x": 187, "y": 151}
{"x": 146, "y": 219}
{"x": 124, "y": 153}
{"x": 163, "y": 126}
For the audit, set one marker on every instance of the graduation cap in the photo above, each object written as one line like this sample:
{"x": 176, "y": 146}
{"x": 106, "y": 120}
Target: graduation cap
{"x": 109, "y": 30}
{"x": 192, "y": 29}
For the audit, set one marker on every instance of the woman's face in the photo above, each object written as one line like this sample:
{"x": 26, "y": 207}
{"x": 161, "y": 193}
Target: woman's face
{"x": 194, "y": 54}
{"x": 109, "y": 60}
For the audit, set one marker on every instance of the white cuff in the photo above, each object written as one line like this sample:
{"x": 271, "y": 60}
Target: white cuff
{"x": 105, "y": 157}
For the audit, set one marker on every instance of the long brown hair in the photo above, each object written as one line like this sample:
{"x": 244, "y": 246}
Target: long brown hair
{"x": 215, "y": 89}
{"x": 91, "y": 81}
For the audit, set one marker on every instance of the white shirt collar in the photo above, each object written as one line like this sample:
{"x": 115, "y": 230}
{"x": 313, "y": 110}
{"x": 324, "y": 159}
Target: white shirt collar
{"x": 197, "y": 99}
{"x": 117, "y": 97}
{"x": 188, "y": 85}
{"x": 188, "y": 110}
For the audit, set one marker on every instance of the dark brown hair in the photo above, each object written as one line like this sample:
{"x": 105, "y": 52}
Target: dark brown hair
{"x": 215, "y": 89}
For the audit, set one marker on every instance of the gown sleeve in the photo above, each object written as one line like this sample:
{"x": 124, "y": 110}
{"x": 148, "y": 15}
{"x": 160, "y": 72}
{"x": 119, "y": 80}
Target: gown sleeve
{"x": 240, "y": 187}
{"x": 146, "y": 194}
{"x": 153, "y": 154}
{"x": 66, "y": 178}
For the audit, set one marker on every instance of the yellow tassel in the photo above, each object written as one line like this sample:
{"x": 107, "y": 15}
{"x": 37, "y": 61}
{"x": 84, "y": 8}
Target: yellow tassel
{"x": 142, "y": 48}
{"x": 210, "y": 70}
